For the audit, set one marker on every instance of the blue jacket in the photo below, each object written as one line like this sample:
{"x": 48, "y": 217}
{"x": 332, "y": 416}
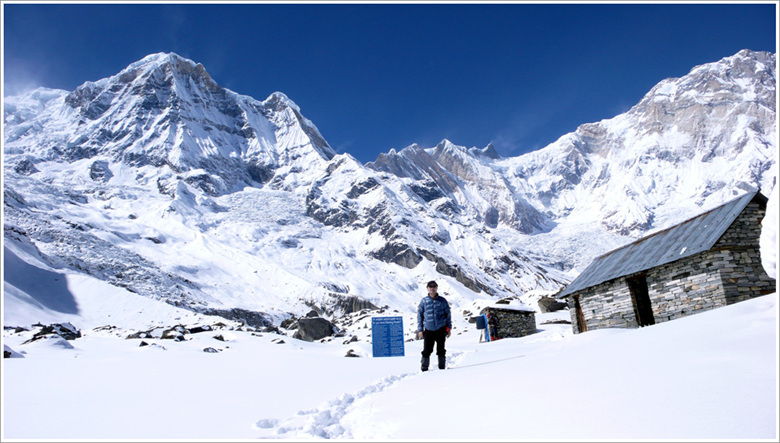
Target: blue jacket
{"x": 433, "y": 314}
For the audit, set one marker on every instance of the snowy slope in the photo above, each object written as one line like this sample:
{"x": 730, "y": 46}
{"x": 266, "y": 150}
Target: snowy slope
{"x": 708, "y": 376}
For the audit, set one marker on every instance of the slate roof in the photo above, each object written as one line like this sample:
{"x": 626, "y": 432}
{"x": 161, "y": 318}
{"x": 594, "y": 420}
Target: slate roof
{"x": 690, "y": 237}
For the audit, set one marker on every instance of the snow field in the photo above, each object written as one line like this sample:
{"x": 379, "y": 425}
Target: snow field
{"x": 718, "y": 382}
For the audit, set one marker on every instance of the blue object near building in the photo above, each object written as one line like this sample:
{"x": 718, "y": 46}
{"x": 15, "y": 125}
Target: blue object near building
{"x": 387, "y": 336}
{"x": 487, "y": 330}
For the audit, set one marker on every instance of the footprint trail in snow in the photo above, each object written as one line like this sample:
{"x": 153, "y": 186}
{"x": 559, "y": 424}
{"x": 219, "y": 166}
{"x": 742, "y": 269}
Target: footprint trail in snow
{"x": 325, "y": 421}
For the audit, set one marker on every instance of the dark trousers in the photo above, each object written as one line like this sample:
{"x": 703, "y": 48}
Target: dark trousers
{"x": 430, "y": 337}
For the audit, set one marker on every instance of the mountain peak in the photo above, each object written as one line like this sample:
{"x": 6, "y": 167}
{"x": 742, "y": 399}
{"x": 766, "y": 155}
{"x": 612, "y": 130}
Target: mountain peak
{"x": 749, "y": 53}
{"x": 279, "y": 100}
{"x": 161, "y": 59}
{"x": 157, "y": 58}
{"x": 488, "y": 151}
{"x": 446, "y": 144}
{"x": 170, "y": 63}
{"x": 744, "y": 63}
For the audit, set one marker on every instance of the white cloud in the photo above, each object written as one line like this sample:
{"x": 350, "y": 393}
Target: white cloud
{"x": 19, "y": 78}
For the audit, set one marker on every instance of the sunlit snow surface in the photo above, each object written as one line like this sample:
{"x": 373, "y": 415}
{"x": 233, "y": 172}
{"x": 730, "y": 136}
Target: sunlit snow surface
{"x": 708, "y": 376}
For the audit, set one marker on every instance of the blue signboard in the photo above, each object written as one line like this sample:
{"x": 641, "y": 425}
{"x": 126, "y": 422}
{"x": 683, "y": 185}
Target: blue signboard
{"x": 387, "y": 336}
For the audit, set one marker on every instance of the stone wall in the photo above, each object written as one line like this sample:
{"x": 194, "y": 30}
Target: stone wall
{"x": 729, "y": 272}
{"x": 745, "y": 231}
{"x": 606, "y": 305}
{"x": 512, "y": 322}
{"x": 742, "y": 274}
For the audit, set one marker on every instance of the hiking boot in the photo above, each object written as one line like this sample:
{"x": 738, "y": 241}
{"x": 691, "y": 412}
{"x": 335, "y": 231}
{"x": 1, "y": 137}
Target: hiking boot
{"x": 442, "y": 361}
{"x": 425, "y": 362}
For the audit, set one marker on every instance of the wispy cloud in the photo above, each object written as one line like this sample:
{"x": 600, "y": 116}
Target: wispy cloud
{"x": 525, "y": 131}
{"x": 176, "y": 24}
{"x": 20, "y": 78}
{"x": 343, "y": 146}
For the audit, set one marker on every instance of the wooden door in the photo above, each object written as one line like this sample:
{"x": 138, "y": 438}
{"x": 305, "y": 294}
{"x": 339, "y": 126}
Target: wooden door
{"x": 581, "y": 326}
{"x": 640, "y": 297}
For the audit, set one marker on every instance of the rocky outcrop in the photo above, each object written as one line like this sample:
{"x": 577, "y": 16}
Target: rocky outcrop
{"x": 10, "y": 353}
{"x": 398, "y": 253}
{"x": 26, "y": 167}
{"x": 444, "y": 268}
{"x": 64, "y": 330}
{"x": 254, "y": 319}
{"x": 99, "y": 171}
{"x": 311, "y": 329}
{"x": 549, "y": 304}
{"x": 350, "y": 303}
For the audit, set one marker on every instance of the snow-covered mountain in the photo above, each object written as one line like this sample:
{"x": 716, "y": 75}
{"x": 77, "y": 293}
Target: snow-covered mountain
{"x": 701, "y": 138}
{"x": 160, "y": 181}
{"x": 165, "y": 112}
{"x": 689, "y": 144}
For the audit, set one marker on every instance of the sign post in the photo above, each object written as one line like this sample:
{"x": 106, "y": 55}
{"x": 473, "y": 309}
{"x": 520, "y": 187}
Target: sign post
{"x": 387, "y": 336}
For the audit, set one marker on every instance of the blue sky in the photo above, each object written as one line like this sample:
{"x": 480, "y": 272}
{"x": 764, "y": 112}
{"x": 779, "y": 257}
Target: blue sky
{"x": 378, "y": 76}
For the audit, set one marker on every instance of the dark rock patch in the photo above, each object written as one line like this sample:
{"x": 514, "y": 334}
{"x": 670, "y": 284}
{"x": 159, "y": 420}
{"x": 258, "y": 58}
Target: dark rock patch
{"x": 549, "y": 304}
{"x": 64, "y": 330}
{"x": 311, "y": 329}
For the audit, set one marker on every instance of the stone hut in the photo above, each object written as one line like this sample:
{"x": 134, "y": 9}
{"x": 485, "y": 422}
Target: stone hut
{"x": 514, "y": 320}
{"x": 708, "y": 261}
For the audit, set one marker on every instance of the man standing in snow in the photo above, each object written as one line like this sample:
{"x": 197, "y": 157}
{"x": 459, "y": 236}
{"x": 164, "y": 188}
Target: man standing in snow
{"x": 493, "y": 324}
{"x": 434, "y": 323}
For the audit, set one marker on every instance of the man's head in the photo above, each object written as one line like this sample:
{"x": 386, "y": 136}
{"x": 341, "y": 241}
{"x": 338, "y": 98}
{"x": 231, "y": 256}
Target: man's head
{"x": 432, "y": 288}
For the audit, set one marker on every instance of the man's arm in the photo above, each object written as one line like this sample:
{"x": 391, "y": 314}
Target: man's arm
{"x": 420, "y": 318}
{"x": 449, "y": 318}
